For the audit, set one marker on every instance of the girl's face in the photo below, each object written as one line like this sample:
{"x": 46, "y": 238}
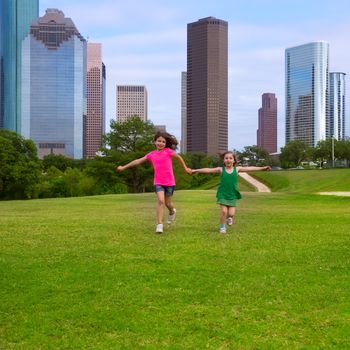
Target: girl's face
{"x": 229, "y": 160}
{"x": 160, "y": 143}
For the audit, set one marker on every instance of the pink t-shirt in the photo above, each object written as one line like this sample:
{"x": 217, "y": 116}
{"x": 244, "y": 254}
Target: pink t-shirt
{"x": 163, "y": 166}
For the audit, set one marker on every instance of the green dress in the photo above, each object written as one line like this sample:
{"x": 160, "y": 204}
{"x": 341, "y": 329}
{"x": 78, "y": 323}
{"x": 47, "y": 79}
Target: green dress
{"x": 228, "y": 193}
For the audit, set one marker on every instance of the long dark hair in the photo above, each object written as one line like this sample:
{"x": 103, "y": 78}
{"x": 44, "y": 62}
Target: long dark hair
{"x": 171, "y": 141}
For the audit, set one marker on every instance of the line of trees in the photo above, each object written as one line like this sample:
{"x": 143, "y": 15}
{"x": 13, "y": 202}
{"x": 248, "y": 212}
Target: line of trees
{"x": 23, "y": 175}
{"x": 324, "y": 154}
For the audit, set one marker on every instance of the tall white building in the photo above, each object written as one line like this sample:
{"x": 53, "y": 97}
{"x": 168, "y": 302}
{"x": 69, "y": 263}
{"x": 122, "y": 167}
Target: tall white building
{"x": 131, "y": 101}
{"x": 337, "y": 105}
{"x": 94, "y": 124}
{"x": 307, "y": 94}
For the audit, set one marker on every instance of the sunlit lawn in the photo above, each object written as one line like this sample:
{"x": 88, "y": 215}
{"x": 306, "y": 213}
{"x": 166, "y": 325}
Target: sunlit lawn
{"x": 90, "y": 273}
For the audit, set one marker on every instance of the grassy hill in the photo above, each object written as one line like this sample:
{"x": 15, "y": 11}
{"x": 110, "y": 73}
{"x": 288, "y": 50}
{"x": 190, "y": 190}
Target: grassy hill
{"x": 90, "y": 273}
{"x": 295, "y": 181}
{"x": 306, "y": 181}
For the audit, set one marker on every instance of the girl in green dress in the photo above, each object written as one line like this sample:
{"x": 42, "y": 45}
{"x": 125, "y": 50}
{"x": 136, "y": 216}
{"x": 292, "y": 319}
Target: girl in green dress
{"x": 228, "y": 192}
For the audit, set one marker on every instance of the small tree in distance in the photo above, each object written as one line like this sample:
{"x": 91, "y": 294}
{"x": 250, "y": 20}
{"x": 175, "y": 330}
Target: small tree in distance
{"x": 127, "y": 141}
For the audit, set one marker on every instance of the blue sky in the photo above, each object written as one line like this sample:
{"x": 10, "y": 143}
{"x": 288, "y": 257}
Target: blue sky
{"x": 144, "y": 42}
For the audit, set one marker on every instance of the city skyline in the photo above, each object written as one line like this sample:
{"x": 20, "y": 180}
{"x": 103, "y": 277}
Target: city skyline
{"x": 151, "y": 50}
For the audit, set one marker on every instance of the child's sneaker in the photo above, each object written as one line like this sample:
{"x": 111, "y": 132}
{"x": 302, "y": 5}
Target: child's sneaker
{"x": 222, "y": 229}
{"x": 159, "y": 228}
{"x": 229, "y": 221}
{"x": 172, "y": 216}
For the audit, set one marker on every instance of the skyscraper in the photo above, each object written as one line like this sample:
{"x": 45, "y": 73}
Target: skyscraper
{"x": 307, "y": 112}
{"x": 207, "y": 75}
{"x": 131, "y": 101}
{"x": 267, "y": 131}
{"x": 337, "y": 105}
{"x": 94, "y": 125}
{"x": 54, "y": 85}
{"x": 183, "y": 112}
{"x": 15, "y": 19}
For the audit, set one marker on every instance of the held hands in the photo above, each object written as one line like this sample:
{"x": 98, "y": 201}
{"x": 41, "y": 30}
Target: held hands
{"x": 189, "y": 171}
{"x": 267, "y": 168}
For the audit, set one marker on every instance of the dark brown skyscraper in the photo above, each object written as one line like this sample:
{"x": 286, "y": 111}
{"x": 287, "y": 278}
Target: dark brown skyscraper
{"x": 207, "y": 86}
{"x": 267, "y": 132}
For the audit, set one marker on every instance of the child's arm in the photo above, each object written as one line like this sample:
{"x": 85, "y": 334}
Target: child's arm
{"x": 207, "y": 171}
{"x": 246, "y": 169}
{"x": 131, "y": 164}
{"x": 182, "y": 162}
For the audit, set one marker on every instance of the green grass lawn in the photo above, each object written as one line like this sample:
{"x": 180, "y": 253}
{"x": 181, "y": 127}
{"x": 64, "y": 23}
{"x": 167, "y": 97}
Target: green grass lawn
{"x": 90, "y": 273}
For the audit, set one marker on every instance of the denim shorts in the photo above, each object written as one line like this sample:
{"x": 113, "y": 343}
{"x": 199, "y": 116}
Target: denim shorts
{"x": 168, "y": 190}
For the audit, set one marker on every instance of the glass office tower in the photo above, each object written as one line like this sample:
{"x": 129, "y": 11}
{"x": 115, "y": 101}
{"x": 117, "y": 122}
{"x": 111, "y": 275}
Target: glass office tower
{"x": 307, "y": 112}
{"x": 15, "y": 19}
{"x": 54, "y": 85}
{"x": 337, "y": 105}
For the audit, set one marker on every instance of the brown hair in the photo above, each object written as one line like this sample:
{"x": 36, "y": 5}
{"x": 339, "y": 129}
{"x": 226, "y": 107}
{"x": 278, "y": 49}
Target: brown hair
{"x": 223, "y": 154}
{"x": 171, "y": 141}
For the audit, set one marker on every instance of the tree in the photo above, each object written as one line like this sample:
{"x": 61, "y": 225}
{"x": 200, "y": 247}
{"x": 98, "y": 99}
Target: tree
{"x": 196, "y": 160}
{"x": 322, "y": 152}
{"x": 254, "y": 156}
{"x": 20, "y": 168}
{"x": 102, "y": 170}
{"x": 133, "y": 135}
{"x": 342, "y": 150}
{"x": 293, "y": 153}
{"x": 128, "y": 141}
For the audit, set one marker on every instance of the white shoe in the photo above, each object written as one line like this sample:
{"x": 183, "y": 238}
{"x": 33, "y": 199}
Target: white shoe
{"x": 223, "y": 230}
{"x": 159, "y": 228}
{"x": 229, "y": 221}
{"x": 172, "y": 217}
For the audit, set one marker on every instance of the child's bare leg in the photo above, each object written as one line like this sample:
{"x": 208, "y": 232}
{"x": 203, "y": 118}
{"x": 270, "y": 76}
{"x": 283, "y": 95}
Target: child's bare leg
{"x": 223, "y": 215}
{"x": 231, "y": 212}
{"x": 169, "y": 204}
{"x": 160, "y": 206}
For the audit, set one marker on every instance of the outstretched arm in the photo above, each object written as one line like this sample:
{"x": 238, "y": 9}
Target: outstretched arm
{"x": 206, "y": 171}
{"x": 131, "y": 164}
{"x": 246, "y": 169}
{"x": 183, "y": 164}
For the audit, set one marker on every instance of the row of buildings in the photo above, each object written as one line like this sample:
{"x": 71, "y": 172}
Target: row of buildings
{"x": 52, "y": 87}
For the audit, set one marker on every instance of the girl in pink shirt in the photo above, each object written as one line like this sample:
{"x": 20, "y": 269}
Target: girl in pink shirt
{"x": 164, "y": 180}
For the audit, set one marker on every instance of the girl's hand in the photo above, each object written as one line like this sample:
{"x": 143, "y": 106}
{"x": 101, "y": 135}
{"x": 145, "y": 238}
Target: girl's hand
{"x": 119, "y": 168}
{"x": 267, "y": 168}
{"x": 189, "y": 171}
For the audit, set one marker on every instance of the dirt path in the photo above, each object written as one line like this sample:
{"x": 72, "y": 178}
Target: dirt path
{"x": 257, "y": 184}
{"x": 344, "y": 194}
